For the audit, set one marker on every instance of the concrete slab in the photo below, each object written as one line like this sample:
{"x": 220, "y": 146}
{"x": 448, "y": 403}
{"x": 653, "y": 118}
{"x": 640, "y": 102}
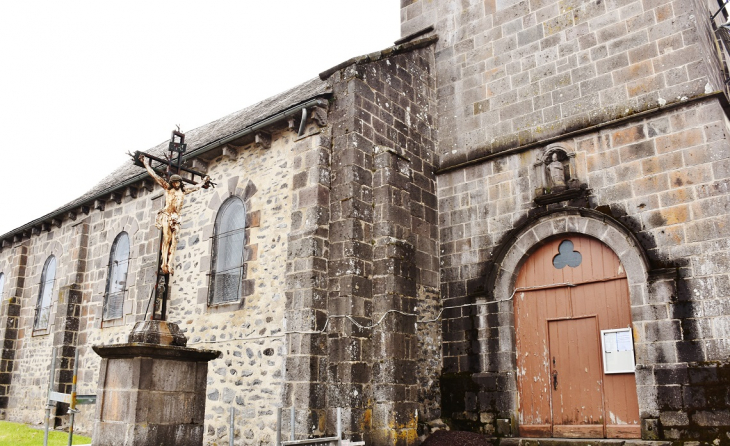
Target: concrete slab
{"x": 578, "y": 442}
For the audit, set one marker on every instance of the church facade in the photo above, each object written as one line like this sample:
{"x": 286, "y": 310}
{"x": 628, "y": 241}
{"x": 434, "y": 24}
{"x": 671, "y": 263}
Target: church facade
{"x": 514, "y": 221}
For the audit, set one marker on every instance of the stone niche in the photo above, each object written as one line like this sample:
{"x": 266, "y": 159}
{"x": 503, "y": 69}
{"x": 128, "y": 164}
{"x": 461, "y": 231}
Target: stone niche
{"x": 151, "y": 395}
{"x": 554, "y": 175}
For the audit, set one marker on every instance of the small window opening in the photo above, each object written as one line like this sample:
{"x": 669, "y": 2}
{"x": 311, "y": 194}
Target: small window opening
{"x": 116, "y": 284}
{"x": 568, "y": 256}
{"x": 226, "y": 276}
{"x": 45, "y": 294}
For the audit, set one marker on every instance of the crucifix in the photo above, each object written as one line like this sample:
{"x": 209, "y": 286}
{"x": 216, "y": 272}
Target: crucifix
{"x": 168, "y": 218}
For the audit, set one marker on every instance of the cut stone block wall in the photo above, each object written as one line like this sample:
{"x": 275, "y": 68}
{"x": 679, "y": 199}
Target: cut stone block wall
{"x": 518, "y": 76}
{"x": 514, "y": 72}
{"x": 661, "y": 178}
{"x": 306, "y": 287}
{"x": 383, "y": 248}
{"x": 13, "y": 264}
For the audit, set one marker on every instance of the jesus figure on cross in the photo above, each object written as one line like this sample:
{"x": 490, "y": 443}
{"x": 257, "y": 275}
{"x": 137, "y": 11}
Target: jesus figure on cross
{"x": 168, "y": 218}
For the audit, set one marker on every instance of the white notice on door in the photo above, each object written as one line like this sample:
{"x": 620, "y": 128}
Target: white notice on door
{"x": 623, "y": 341}
{"x": 609, "y": 342}
{"x": 618, "y": 351}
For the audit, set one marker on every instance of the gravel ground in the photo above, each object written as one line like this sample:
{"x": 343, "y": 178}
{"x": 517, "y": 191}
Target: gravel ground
{"x": 456, "y": 438}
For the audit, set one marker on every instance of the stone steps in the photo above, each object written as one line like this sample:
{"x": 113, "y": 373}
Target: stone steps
{"x": 577, "y": 442}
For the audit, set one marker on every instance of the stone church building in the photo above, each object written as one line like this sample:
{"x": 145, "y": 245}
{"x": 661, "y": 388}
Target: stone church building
{"x": 516, "y": 220}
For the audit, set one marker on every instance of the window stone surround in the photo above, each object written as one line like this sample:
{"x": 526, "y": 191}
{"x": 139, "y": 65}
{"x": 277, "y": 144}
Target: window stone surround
{"x": 253, "y": 220}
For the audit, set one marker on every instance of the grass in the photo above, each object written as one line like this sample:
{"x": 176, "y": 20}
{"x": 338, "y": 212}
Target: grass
{"x": 17, "y": 434}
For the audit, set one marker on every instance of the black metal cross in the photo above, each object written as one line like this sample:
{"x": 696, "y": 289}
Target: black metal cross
{"x": 177, "y": 147}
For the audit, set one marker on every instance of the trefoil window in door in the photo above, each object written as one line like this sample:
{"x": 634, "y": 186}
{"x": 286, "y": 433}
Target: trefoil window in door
{"x": 567, "y": 256}
{"x": 228, "y": 252}
{"x": 116, "y": 283}
{"x": 45, "y": 294}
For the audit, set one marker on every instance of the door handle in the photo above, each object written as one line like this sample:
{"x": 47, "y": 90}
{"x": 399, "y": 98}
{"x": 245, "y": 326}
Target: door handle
{"x": 555, "y": 380}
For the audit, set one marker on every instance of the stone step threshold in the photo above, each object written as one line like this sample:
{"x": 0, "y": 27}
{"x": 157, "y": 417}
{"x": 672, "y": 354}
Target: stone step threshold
{"x": 578, "y": 442}
{"x": 322, "y": 441}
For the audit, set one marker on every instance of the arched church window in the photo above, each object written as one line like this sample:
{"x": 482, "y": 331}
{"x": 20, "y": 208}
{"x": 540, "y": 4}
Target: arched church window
{"x": 45, "y": 294}
{"x": 2, "y": 285}
{"x": 228, "y": 252}
{"x": 116, "y": 283}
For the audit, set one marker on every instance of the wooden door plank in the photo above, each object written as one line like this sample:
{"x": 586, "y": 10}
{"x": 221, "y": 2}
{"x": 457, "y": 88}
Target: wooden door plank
{"x": 536, "y": 430}
{"x": 578, "y": 431}
{"x": 608, "y": 300}
{"x": 574, "y": 359}
{"x": 598, "y": 262}
{"x": 533, "y": 381}
{"x": 623, "y": 431}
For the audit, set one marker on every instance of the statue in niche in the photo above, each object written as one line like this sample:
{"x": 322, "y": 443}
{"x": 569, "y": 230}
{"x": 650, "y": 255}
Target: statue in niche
{"x": 556, "y": 173}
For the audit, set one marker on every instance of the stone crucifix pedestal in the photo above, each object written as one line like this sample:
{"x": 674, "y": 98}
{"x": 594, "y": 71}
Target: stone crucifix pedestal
{"x": 151, "y": 392}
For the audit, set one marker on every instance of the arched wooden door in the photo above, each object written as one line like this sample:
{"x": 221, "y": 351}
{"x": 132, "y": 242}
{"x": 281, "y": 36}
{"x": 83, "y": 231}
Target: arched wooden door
{"x": 569, "y": 290}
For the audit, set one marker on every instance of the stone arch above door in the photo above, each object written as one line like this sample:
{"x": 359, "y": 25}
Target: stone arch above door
{"x": 517, "y": 247}
{"x": 532, "y": 235}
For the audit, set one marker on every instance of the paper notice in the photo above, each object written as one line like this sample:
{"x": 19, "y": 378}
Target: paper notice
{"x": 609, "y": 342}
{"x": 623, "y": 341}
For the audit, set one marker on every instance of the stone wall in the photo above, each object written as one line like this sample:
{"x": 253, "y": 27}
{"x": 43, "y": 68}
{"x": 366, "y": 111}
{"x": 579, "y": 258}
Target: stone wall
{"x": 383, "y": 248}
{"x": 624, "y": 87}
{"x": 663, "y": 179}
{"x": 514, "y": 72}
{"x": 341, "y": 230}
{"x": 13, "y": 265}
{"x": 306, "y": 288}
{"x": 33, "y": 347}
{"x": 249, "y": 377}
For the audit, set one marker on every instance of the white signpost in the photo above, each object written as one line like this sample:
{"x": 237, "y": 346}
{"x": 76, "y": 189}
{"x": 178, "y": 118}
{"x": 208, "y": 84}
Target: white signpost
{"x": 71, "y": 399}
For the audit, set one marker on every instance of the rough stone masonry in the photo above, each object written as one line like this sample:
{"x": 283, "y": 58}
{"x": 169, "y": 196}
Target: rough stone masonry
{"x": 383, "y": 241}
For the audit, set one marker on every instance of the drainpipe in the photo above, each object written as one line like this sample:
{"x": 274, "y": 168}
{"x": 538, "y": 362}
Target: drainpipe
{"x": 303, "y": 124}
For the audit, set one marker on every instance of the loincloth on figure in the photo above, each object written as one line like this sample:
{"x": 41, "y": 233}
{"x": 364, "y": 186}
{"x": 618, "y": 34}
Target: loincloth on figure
{"x": 171, "y": 220}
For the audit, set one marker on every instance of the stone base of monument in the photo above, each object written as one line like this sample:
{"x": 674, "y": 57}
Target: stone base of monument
{"x": 151, "y": 394}
{"x": 158, "y": 333}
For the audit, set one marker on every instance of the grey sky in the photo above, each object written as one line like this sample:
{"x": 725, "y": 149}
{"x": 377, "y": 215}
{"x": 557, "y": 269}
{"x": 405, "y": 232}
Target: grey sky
{"x": 83, "y": 82}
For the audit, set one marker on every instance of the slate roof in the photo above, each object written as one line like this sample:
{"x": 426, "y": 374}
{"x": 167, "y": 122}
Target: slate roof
{"x": 206, "y": 135}
{"x": 213, "y": 134}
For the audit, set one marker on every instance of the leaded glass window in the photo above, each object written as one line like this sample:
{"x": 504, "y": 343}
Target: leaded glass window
{"x": 116, "y": 283}
{"x": 228, "y": 252}
{"x": 45, "y": 294}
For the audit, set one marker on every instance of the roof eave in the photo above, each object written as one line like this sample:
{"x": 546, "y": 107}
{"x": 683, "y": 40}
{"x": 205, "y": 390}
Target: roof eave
{"x": 318, "y": 100}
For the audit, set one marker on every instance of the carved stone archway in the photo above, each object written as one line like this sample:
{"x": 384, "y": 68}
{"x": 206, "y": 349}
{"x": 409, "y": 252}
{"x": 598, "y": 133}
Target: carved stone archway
{"x": 530, "y": 236}
{"x": 525, "y": 240}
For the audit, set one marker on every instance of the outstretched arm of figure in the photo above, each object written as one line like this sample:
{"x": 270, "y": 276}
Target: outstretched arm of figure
{"x": 206, "y": 180}
{"x": 153, "y": 174}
